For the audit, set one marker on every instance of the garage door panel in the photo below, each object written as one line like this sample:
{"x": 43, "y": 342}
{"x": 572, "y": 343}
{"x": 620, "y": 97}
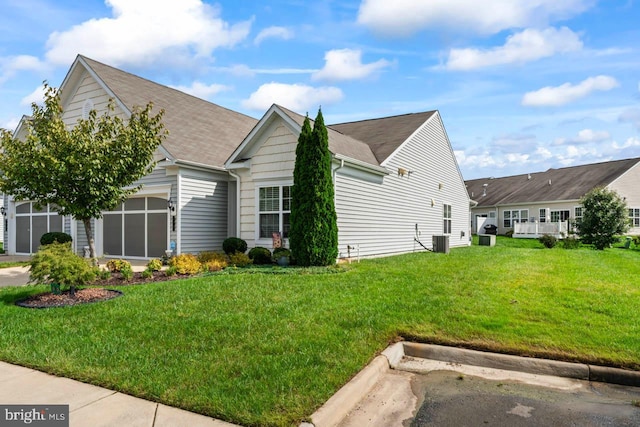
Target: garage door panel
{"x": 112, "y": 225}
{"x": 23, "y": 234}
{"x": 39, "y": 227}
{"x": 134, "y": 241}
{"x": 157, "y": 234}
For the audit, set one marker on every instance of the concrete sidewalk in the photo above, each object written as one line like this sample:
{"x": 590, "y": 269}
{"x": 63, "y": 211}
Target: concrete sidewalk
{"x": 90, "y": 405}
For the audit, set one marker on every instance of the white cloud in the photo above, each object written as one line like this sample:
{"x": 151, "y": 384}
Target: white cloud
{"x": 630, "y": 142}
{"x": 481, "y": 160}
{"x": 528, "y": 45}
{"x": 10, "y": 124}
{"x": 143, "y": 31}
{"x": 405, "y": 17}
{"x": 12, "y": 65}
{"x": 296, "y": 97}
{"x": 242, "y": 70}
{"x": 202, "y": 90}
{"x": 346, "y": 64}
{"x": 543, "y": 153}
{"x": 36, "y": 96}
{"x": 585, "y": 136}
{"x": 566, "y": 93}
{"x": 273, "y": 32}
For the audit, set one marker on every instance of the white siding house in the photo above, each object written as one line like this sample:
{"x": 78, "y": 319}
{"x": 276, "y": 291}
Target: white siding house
{"x": 220, "y": 173}
{"x": 189, "y": 173}
{"x": 382, "y": 207}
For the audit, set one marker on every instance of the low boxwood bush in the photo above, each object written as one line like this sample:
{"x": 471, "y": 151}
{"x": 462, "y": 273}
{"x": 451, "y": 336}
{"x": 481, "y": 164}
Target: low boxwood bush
{"x": 147, "y": 274}
{"x": 260, "y": 255}
{"x": 548, "y": 240}
{"x": 185, "y": 264}
{"x": 55, "y": 236}
{"x": 231, "y": 245}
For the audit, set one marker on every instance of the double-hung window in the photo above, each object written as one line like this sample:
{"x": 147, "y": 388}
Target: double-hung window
{"x": 446, "y": 229}
{"x": 577, "y": 214}
{"x": 634, "y": 217}
{"x": 543, "y": 215}
{"x": 274, "y": 209}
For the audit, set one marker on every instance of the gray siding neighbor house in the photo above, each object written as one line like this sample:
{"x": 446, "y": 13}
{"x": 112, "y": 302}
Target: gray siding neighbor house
{"x": 538, "y": 203}
{"x": 221, "y": 173}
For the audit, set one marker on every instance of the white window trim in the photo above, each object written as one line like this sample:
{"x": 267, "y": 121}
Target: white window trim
{"x": 632, "y": 217}
{"x": 450, "y": 218}
{"x": 266, "y": 242}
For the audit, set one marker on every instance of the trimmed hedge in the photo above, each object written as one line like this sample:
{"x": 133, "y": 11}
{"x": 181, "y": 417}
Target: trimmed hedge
{"x": 231, "y": 245}
{"x": 260, "y": 255}
{"x": 55, "y": 236}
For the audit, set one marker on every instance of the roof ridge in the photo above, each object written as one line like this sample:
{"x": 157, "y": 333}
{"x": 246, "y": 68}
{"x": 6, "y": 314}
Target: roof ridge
{"x": 161, "y": 85}
{"x": 383, "y": 118}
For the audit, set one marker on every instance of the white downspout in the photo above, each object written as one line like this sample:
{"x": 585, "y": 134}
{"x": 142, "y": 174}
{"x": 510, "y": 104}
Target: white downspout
{"x": 237, "y": 178}
{"x": 335, "y": 173}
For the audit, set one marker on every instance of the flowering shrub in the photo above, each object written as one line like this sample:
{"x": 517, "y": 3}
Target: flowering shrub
{"x": 215, "y": 265}
{"x": 185, "y": 264}
{"x": 207, "y": 256}
{"x": 116, "y": 265}
{"x": 154, "y": 265}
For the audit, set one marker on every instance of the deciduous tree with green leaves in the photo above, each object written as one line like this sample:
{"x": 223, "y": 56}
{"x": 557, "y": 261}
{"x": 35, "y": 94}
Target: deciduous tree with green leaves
{"x": 84, "y": 169}
{"x": 313, "y": 235}
{"x": 604, "y": 217}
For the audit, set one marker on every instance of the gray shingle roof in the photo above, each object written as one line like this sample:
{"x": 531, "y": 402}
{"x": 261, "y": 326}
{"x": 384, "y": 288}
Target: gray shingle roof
{"x": 199, "y": 131}
{"x": 569, "y": 183}
{"x": 384, "y": 135}
{"x": 340, "y": 143}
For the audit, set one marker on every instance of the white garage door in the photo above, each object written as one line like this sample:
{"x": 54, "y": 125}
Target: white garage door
{"x": 137, "y": 228}
{"x": 32, "y": 223}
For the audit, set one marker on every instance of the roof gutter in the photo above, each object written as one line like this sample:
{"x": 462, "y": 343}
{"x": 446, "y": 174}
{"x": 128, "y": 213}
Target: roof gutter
{"x": 200, "y": 165}
{"x": 359, "y": 164}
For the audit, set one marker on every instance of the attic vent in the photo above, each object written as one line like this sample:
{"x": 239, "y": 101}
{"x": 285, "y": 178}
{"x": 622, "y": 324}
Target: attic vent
{"x": 86, "y": 108}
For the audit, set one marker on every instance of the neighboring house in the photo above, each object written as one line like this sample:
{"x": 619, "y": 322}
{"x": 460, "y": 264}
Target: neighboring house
{"x": 544, "y": 202}
{"x": 221, "y": 173}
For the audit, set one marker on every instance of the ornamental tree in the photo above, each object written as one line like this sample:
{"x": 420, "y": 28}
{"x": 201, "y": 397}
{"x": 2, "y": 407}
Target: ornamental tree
{"x": 81, "y": 170}
{"x": 604, "y": 218}
{"x": 313, "y": 235}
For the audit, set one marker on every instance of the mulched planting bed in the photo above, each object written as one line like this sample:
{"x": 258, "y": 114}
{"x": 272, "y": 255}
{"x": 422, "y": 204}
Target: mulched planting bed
{"x": 83, "y": 296}
{"x": 88, "y": 295}
{"x": 116, "y": 279}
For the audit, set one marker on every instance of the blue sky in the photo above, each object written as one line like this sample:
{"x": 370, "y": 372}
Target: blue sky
{"x": 522, "y": 85}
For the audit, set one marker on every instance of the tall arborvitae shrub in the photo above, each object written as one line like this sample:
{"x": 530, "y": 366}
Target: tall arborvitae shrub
{"x": 313, "y": 236}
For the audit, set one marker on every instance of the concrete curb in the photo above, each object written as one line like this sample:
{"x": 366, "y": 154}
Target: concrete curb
{"x": 340, "y": 404}
{"x": 530, "y": 365}
{"x": 347, "y": 398}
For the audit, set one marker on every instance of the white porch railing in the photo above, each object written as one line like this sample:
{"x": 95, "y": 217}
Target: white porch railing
{"x": 533, "y": 230}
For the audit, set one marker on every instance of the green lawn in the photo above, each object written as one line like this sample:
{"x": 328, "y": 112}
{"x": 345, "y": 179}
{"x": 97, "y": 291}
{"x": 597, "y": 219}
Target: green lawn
{"x": 268, "y": 349}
